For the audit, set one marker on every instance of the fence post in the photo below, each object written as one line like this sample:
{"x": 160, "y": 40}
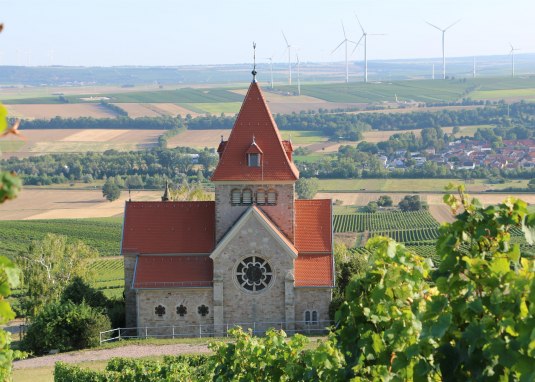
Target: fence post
{"x": 227, "y": 329}
{"x": 146, "y": 332}
{"x": 200, "y": 330}
{"x": 173, "y": 331}
{"x": 119, "y": 334}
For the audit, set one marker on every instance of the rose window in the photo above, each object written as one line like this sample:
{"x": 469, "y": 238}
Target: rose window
{"x": 254, "y": 273}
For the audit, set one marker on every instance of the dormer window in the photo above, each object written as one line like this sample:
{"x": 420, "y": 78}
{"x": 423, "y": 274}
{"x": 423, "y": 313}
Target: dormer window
{"x": 254, "y": 155}
{"x": 253, "y": 160}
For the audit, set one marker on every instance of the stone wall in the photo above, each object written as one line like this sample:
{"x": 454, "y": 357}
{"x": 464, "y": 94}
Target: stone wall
{"x": 191, "y": 298}
{"x": 239, "y": 305}
{"x": 311, "y": 299}
{"x": 282, "y": 214}
{"x": 130, "y": 294}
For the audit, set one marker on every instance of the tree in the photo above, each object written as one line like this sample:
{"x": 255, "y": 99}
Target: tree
{"x": 371, "y": 207}
{"x": 410, "y": 203}
{"x": 48, "y": 267}
{"x": 306, "y": 188}
{"x": 384, "y": 201}
{"x": 111, "y": 190}
{"x": 456, "y": 130}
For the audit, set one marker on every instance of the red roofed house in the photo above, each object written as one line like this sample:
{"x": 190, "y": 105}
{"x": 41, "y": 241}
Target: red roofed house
{"x": 254, "y": 255}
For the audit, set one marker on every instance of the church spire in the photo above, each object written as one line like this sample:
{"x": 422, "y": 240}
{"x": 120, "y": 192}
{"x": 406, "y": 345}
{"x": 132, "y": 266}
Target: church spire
{"x": 254, "y": 62}
{"x": 165, "y": 197}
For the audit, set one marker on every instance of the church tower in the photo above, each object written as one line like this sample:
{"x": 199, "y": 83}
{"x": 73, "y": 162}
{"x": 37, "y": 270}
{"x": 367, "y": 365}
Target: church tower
{"x": 255, "y": 168}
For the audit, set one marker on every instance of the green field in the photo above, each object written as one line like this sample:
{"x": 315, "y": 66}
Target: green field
{"x": 10, "y": 146}
{"x": 102, "y": 234}
{"x": 303, "y": 137}
{"x": 409, "y": 185}
{"x": 215, "y": 108}
{"x": 109, "y": 276}
{"x": 471, "y": 130}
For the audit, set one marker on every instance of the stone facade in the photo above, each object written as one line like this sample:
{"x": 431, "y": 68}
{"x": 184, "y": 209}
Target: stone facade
{"x": 130, "y": 294}
{"x": 239, "y": 305}
{"x": 282, "y": 213}
{"x": 312, "y": 299}
{"x": 171, "y": 299}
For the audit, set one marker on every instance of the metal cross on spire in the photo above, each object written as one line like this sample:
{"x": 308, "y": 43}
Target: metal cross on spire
{"x": 254, "y": 62}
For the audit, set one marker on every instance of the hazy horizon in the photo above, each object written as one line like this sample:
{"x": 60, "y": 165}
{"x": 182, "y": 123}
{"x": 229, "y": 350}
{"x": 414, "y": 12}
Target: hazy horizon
{"x": 170, "y": 33}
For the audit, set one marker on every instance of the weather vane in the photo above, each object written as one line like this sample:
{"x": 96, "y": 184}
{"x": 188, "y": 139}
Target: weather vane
{"x": 254, "y": 62}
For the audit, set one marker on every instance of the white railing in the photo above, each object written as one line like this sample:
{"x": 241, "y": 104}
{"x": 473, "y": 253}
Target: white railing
{"x": 213, "y": 330}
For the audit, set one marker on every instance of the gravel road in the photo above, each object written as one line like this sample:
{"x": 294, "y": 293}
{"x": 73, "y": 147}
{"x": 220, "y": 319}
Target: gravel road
{"x": 128, "y": 351}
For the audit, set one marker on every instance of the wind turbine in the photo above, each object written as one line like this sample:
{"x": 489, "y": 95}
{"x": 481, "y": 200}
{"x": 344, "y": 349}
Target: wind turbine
{"x": 271, "y": 69}
{"x": 365, "y": 37}
{"x": 298, "y": 77}
{"x": 345, "y": 41}
{"x": 512, "y": 53}
{"x": 289, "y": 47}
{"x": 443, "y": 50}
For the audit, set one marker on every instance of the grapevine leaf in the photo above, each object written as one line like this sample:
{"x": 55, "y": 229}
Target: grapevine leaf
{"x": 3, "y": 118}
{"x": 528, "y": 227}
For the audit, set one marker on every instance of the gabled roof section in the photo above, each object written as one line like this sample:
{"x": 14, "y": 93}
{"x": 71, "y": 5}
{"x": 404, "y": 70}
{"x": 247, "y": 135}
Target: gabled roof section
{"x": 169, "y": 227}
{"x": 313, "y": 225}
{"x": 314, "y": 270}
{"x": 173, "y": 271}
{"x": 266, "y": 222}
{"x": 255, "y": 119}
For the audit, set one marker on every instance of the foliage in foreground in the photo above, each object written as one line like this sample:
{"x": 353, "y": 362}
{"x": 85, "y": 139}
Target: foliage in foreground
{"x": 65, "y": 326}
{"x": 176, "y": 368}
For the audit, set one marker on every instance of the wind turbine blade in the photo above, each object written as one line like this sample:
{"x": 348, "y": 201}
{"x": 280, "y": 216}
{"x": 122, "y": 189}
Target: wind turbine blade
{"x": 357, "y": 44}
{"x": 335, "y": 49}
{"x": 360, "y": 24}
{"x": 285, "y": 39}
{"x": 434, "y": 26}
{"x": 376, "y": 34}
{"x": 344, "y": 29}
{"x": 452, "y": 25}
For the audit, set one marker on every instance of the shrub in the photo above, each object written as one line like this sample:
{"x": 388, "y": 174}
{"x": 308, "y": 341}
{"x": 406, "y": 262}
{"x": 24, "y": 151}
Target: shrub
{"x": 65, "y": 326}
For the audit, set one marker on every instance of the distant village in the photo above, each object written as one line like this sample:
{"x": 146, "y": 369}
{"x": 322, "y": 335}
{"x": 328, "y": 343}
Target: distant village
{"x": 468, "y": 154}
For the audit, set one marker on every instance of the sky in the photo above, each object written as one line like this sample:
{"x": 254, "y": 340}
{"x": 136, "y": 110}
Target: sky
{"x": 178, "y": 32}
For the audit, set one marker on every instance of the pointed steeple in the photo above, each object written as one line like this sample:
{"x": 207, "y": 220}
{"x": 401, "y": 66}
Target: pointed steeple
{"x": 166, "y": 194}
{"x": 255, "y": 119}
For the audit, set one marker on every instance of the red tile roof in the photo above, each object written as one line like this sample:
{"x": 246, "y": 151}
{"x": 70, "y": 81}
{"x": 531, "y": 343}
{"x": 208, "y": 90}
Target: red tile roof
{"x": 276, "y": 229}
{"x": 169, "y": 227}
{"x": 314, "y": 270}
{"x": 173, "y": 271}
{"x": 313, "y": 225}
{"x": 256, "y": 120}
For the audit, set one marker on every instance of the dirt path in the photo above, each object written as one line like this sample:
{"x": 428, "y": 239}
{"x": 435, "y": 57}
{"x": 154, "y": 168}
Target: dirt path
{"x": 128, "y": 351}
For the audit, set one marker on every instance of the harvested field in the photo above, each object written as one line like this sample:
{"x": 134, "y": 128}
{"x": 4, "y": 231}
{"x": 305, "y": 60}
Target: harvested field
{"x": 441, "y": 213}
{"x": 35, "y": 203}
{"x": 199, "y": 138}
{"x": 79, "y": 140}
{"x": 59, "y": 110}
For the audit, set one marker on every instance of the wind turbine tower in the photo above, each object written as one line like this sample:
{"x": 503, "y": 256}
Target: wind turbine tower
{"x": 443, "y": 48}
{"x": 345, "y": 41}
{"x": 474, "y": 69}
{"x": 298, "y": 76}
{"x": 289, "y": 47}
{"x": 365, "y": 37}
{"x": 271, "y": 69}
{"x": 512, "y": 53}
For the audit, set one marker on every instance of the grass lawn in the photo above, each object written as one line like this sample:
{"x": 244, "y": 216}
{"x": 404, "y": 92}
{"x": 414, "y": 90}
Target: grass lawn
{"x": 471, "y": 130}
{"x": 528, "y": 94}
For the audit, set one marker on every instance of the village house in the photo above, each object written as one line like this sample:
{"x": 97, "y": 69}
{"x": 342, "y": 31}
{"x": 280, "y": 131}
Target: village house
{"x": 255, "y": 256}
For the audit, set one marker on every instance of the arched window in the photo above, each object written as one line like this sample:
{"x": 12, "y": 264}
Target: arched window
{"x": 261, "y": 196}
{"x": 247, "y": 196}
{"x": 314, "y": 317}
{"x": 307, "y": 317}
{"x": 235, "y": 197}
{"x": 272, "y": 197}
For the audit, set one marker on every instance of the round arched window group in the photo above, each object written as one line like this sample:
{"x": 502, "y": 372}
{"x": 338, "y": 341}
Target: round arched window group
{"x": 246, "y": 197}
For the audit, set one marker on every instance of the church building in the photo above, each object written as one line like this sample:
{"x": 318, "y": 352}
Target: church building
{"x": 256, "y": 256}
